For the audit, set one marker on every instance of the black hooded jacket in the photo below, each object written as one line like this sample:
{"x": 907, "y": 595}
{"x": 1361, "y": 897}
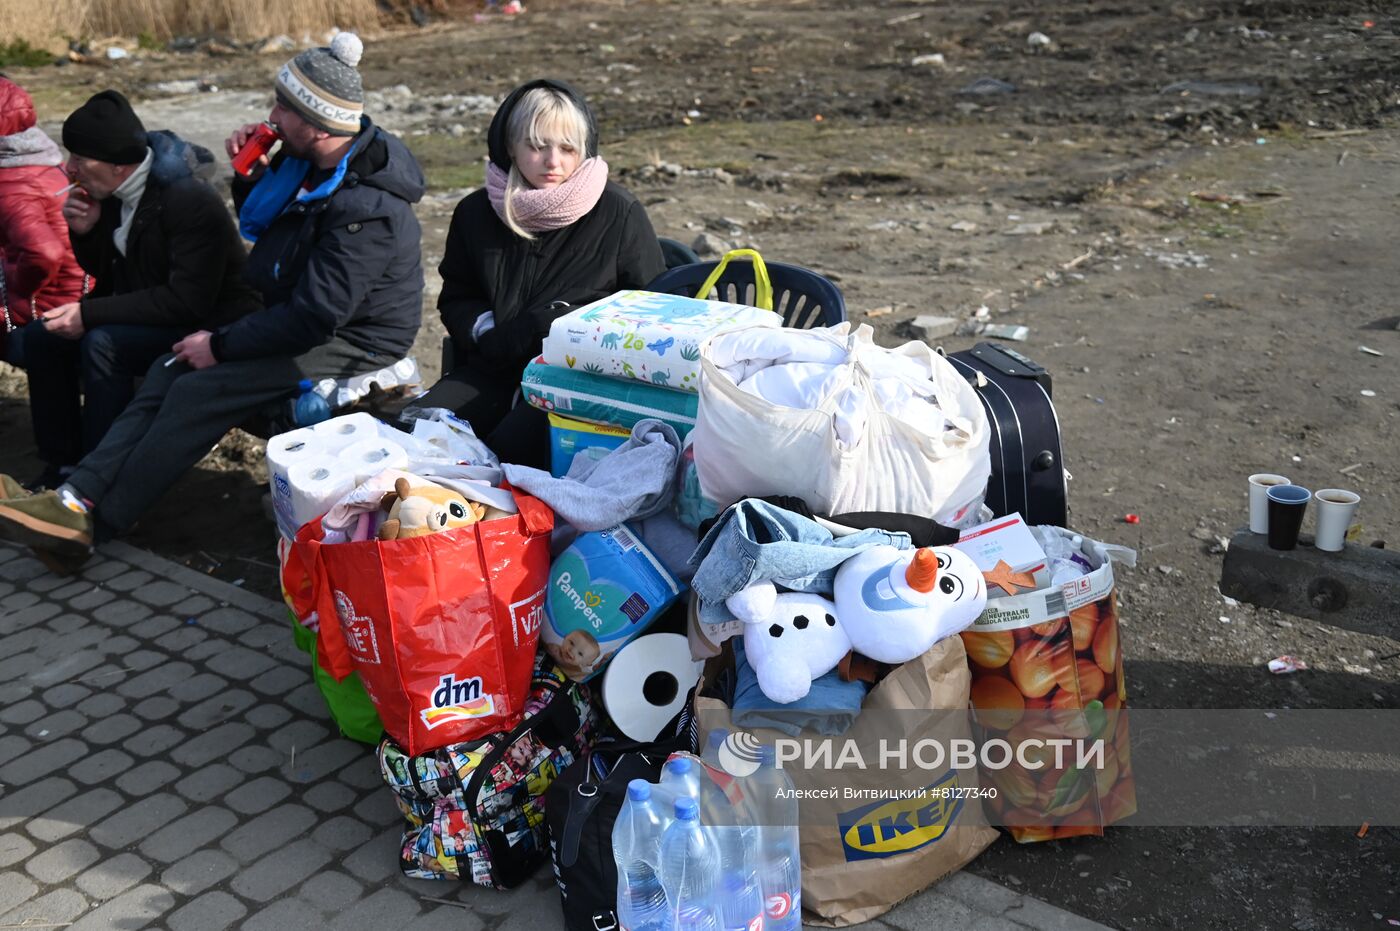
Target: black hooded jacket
{"x": 346, "y": 261}
{"x": 486, "y": 266}
{"x": 184, "y": 262}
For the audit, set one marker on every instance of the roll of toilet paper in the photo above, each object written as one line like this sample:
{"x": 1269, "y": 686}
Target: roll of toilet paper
{"x": 341, "y": 432}
{"x": 370, "y": 457}
{"x": 646, "y": 683}
{"x": 284, "y": 451}
{"x": 317, "y": 485}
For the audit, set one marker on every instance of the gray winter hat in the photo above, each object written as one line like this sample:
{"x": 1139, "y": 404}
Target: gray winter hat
{"x": 323, "y": 87}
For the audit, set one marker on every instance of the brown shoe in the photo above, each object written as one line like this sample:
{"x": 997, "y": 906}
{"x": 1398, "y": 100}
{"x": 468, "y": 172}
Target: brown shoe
{"x": 9, "y": 489}
{"x": 43, "y": 522}
{"x": 60, "y": 564}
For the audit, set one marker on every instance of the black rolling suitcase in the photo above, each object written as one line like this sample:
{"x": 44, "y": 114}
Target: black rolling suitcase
{"x": 1028, "y": 473}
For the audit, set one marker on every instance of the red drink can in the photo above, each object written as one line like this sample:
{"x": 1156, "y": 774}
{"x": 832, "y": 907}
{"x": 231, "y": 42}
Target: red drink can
{"x": 258, "y": 145}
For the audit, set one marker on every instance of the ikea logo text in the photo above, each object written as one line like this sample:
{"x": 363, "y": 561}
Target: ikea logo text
{"x": 888, "y": 828}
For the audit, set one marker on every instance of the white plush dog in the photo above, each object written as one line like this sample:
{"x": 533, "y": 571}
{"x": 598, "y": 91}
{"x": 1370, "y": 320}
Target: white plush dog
{"x": 789, "y": 639}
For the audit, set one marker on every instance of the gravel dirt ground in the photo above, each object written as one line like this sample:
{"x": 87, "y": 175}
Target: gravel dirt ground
{"x": 1199, "y": 264}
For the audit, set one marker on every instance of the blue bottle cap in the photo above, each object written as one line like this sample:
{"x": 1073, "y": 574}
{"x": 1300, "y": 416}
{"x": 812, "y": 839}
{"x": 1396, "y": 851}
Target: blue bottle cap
{"x": 639, "y": 790}
{"x": 686, "y": 809}
{"x": 304, "y": 385}
{"x": 680, "y": 765}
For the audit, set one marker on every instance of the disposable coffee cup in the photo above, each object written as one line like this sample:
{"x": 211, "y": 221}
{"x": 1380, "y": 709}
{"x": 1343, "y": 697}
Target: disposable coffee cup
{"x": 1287, "y": 505}
{"x": 1259, "y": 485}
{"x": 1335, "y": 507}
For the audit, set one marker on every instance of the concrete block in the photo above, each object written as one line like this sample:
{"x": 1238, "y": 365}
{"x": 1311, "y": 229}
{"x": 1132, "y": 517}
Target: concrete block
{"x": 181, "y": 838}
{"x": 111, "y": 728}
{"x": 57, "y": 863}
{"x": 76, "y": 814}
{"x": 930, "y": 328}
{"x": 136, "y": 908}
{"x": 209, "y": 783}
{"x": 282, "y": 869}
{"x": 140, "y": 820}
{"x": 1356, "y": 589}
{"x": 15, "y": 849}
{"x": 269, "y": 830}
{"x": 257, "y": 796}
{"x": 212, "y": 911}
{"x": 113, "y": 876}
{"x": 19, "y": 805}
{"x": 199, "y": 871}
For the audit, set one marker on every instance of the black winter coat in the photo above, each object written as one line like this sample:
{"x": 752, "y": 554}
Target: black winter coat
{"x": 346, "y": 261}
{"x": 487, "y": 267}
{"x": 184, "y": 261}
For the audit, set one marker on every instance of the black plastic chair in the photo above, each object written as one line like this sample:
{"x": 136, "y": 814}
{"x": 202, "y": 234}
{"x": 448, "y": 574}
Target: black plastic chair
{"x": 676, "y": 253}
{"x": 804, "y": 298}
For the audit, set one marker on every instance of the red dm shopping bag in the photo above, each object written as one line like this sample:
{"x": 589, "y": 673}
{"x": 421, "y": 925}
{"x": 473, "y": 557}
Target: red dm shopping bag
{"x": 441, "y": 628}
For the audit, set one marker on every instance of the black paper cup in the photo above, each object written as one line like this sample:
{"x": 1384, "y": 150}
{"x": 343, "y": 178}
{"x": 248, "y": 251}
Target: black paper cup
{"x": 1287, "y": 505}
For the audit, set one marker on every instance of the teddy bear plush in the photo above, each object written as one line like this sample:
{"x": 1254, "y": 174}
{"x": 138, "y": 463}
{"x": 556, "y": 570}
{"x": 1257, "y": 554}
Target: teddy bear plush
{"x": 790, "y": 639}
{"x": 896, "y": 604}
{"x": 416, "y": 510}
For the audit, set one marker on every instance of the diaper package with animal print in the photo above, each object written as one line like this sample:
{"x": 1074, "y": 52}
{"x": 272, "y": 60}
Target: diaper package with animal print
{"x": 645, "y": 336}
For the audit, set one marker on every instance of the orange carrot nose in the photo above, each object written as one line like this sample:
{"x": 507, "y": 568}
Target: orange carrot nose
{"x": 922, "y": 571}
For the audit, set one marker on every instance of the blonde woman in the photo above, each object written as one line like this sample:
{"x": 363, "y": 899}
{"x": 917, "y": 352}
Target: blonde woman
{"x": 548, "y": 231}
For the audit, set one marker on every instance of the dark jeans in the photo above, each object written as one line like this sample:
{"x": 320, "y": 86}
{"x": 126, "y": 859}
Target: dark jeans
{"x": 518, "y": 434}
{"x": 77, "y": 388}
{"x": 180, "y": 413}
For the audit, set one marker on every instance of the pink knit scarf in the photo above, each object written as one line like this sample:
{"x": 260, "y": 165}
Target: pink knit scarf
{"x": 539, "y": 210}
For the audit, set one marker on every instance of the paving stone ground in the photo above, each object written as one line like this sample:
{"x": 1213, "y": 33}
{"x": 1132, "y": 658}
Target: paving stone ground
{"x": 166, "y": 762}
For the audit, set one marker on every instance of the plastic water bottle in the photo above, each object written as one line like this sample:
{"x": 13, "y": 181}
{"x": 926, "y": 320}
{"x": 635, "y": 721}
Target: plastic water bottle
{"x": 741, "y": 906}
{"x": 684, "y": 777}
{"x": 310, "y": 407}
{"x": 690, "y": 870}
{"x": 779, "y": 858}
{"x": 641, "y": 901}
{"x": 741, "y": 900}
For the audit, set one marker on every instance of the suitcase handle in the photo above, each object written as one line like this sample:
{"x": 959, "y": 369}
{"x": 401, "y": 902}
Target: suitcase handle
{"x": 1011, "y": 363}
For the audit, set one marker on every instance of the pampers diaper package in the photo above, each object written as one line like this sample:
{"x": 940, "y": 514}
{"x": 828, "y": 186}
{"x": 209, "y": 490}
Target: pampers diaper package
{"x": 604, "y": 590}
{"x": 644, "y": 336}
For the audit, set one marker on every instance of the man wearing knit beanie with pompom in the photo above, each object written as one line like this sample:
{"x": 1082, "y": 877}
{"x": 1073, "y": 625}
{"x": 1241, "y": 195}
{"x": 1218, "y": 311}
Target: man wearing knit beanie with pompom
{"x": 336, "y": 257}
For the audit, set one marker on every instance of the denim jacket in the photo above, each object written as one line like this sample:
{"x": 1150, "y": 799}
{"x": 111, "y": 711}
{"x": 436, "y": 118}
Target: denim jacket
{"x": 754, "y": 541}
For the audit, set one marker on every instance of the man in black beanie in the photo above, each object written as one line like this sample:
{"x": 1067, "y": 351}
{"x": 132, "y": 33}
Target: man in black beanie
{"x": 165, "y": 260}
{"x": 337, "y": 260}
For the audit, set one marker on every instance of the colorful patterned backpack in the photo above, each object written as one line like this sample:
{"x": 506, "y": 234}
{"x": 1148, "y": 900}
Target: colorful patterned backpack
{"x": 475, "y": 810}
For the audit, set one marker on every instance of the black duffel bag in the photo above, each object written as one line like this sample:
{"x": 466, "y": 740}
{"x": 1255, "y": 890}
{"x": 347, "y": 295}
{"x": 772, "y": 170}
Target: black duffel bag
{"x": 581, "y": 807}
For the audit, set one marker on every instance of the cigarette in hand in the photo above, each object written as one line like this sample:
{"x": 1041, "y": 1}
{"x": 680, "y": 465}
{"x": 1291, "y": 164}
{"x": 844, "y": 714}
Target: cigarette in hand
{"x": 171, "y": 361}
{"x": 60, "y": 193}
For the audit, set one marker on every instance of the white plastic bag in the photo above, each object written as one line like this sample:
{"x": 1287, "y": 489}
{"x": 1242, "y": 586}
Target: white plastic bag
{"x": 847, "y": 453}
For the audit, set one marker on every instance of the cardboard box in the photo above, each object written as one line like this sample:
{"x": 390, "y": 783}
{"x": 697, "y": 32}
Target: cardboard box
{"x": 1009, "y": 540}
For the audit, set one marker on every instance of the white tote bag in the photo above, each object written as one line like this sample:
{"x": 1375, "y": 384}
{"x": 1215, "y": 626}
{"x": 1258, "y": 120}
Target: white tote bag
{"x": 846, "y": 452}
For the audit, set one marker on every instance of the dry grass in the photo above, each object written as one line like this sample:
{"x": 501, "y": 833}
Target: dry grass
{"x": 48, "y": 23}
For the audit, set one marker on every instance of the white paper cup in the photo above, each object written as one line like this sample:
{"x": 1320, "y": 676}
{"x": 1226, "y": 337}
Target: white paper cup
{"x": 1259, "y": 485}
{"x": 1335, "y": 507}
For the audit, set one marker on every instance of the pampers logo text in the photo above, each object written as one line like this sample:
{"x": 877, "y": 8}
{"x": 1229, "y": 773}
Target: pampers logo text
{"x": 583, "y": 603}
{"x": 884, "y": 829}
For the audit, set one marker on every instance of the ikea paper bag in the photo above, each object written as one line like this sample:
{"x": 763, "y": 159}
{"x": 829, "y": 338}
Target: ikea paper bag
{"x": 861, "y": 857}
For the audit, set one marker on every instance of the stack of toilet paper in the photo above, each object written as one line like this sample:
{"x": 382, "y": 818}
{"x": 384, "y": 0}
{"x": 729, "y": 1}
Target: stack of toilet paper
{"x": 311, "y": 468}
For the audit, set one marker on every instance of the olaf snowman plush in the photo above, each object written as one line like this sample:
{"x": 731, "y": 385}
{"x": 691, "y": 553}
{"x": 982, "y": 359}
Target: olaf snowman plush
{"x": 896, "y": 604}
{"x": 790, "y": 639}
